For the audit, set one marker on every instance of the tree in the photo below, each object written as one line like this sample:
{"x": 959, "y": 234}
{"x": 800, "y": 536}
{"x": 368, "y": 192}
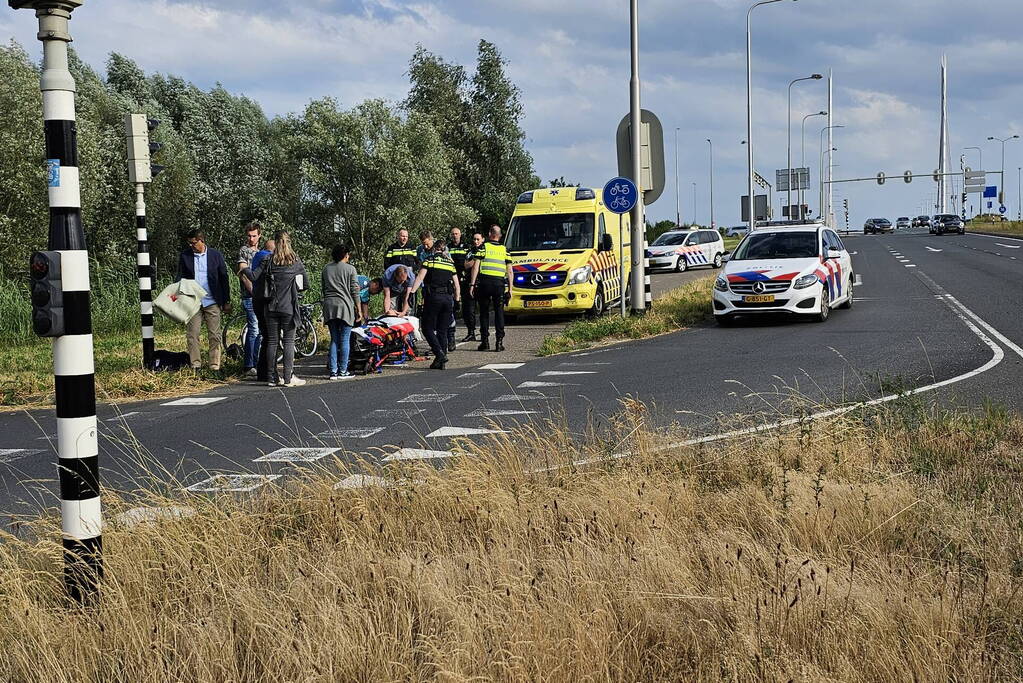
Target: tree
{"x": 561, "y": 182}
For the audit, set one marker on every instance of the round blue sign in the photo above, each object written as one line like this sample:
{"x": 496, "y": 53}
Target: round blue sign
{"x": 1002, "y": 209}
{"x": 620, "y": 195}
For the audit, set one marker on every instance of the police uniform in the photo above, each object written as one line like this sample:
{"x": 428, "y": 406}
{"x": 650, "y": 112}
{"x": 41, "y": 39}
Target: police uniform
{"x": 459, "y": 252}
{"x": 491, "y": 282}
{"x": 439, "y": 304}
{"x": 405, "y": 254}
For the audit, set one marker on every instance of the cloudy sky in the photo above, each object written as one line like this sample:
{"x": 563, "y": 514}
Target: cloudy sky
{"x": 571, "y": 61}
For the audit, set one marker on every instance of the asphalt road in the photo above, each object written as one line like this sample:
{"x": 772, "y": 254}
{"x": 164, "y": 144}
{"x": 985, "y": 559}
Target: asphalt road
{"x": 928, "y": 310}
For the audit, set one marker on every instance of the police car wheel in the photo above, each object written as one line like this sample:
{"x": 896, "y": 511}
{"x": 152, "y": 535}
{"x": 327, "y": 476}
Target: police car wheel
{"x": 825, "y": 311}
{"x": 848, "y": 303}
{"x": 681, "y": 265}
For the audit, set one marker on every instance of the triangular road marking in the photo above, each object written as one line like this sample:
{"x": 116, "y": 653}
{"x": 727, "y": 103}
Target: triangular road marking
{"x": 417, "y": 454}
{"x": 447, "y": 432}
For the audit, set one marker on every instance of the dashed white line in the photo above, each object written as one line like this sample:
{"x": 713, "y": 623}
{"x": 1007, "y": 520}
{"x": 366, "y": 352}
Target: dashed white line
{"x": 910, "y": 265}
{"x": 122, "y": 416}
{"x": 8, "y": 455}
{"x": 538, "y": 385}
{"x": 933, "y": 249}
{"x": 418, "y": 454}
{"x": 502, "y": 366}
{"x": 232, "y": 483}
{"x": 351, "y": 433}
{"x": 558, "y": 373}
{"x": 426, "y": 398}
{"x": 497, "y": 412}
{"x": 521, "y": 397}
{"x": 859, "y": 280}
{"x": 448, "y": 432}
{"x": 195, "y": 401}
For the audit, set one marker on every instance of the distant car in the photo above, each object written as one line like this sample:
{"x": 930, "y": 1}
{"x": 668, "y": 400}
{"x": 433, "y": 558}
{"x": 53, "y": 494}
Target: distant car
{"x": 947, "y": 222}
{"x": 903, "y": 223}
{"x": 876, "y": 225}
{"x": 684, "y": 249}
{"x": 798, "y": 269}
{"x": 736, "y": 231}
{"x": 922, "y": 222}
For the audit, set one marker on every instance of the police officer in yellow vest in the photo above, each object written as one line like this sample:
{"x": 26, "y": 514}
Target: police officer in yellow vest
{"x": 440, "y": 279}
{"x": 491, "y": 287}
{"x": 400, "y": 251}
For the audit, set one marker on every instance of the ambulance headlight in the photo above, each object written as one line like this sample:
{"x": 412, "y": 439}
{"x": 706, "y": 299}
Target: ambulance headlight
{"x": 721, "y": 283}
{"x": 578, "y": 276}
{"x": 805, "y": 281}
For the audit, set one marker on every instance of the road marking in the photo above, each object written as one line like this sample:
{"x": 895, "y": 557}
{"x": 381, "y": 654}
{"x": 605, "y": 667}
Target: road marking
{"x": 502, "y": 366}
{"x": 296, "y": 455}
{"x": 396, "y": 412}
{"x": 195, "y": 401}
{"x": 497, "y": 412}
{"x": 448, "y": 432}
{"x": 859, "y": 280}
{"x": 932, "y": 249}
{"x": 361, "y": 481}
{"x": 558, "y": 373}
{"x": 958, "y": 309}
{"x": 122, "y": 416}
{"x": 582, "y": 365}
{"x": 521, "y": 397}
{"x": 418, "y": 454}
{"x": 351, "y": 433}
{"x": 1008, "y": 246}
{"x": 9, "y": 455}
{"x": 903, "y": 260}
{"x": 467, "y": 375}
{"x": 948, "y": 297}
{"x": 537, "y": 385}
{"x": 232, "y": 483}
{"x": 910, "y": 265}
{"x": 147, "y": 515}
{"x": 426, "y": 398}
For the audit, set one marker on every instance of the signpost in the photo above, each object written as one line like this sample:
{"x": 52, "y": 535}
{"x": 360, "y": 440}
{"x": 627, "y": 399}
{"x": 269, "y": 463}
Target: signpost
{"x": 800, "y": 179}
{"x": 620, "y": 196}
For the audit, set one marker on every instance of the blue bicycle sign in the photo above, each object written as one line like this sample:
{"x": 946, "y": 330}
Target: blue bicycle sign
{"x": 620, "y": 195}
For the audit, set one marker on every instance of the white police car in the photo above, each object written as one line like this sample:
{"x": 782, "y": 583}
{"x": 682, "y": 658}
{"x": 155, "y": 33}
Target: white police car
{"x": 684, "y": 249}
{"x": 794, "y": 268}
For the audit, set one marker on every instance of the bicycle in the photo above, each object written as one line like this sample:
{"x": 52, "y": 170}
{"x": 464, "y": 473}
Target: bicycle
{"x": 236, "y": 331}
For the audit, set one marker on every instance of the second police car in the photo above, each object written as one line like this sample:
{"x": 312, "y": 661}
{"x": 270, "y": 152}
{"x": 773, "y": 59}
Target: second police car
{"x": 801, "y": 269}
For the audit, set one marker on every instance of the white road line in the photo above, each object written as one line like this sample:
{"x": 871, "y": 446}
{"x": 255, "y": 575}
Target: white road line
{"x": 910, "y": 265}
{"x": 362, "y": 481}
{"x": 351, "y": 433}
{"x": 448, "y": 432}
{"x": 502, "y": 366}
{"x": 396, "y": 412}
{"x": 933, "y": 249}
{"x": 581, "y": 365}
{"x": 8, "y": 455}
{"x": 1008, "y": 246}
{"x": 122, "y": 416}
{"x": 195, "y": 401}
{"x": 558, "y": 373}
{"x": 296, "y": 455}
{"x": 231, "y": 483}
{"x": 859, "y": 280}
{"x": 538, "y": 385}
{"x": 521, "y": 397}
{"x": 497, "y": 412}
{"x": 958, "y": 309}
{"x": 467, "y": 375}
{"x": 418, "y": 454}
{"x": 426, "y": 398}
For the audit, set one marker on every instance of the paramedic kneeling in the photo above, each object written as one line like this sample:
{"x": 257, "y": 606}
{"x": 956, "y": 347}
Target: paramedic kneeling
{"x": 491, "y": 285}
{"x": 440, "y": 279}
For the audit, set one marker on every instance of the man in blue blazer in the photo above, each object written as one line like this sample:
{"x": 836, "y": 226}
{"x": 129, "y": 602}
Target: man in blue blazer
{"x": 207, "y": 267}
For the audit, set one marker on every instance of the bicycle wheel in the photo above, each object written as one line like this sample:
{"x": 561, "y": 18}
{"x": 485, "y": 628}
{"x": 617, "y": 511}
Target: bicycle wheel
{"x": 305, "y": 338}
{"x": 233, "y": 336}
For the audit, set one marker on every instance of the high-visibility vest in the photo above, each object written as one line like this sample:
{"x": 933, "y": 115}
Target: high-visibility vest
{"x": 403, "y": 254}
{"x": 493, "y": 260}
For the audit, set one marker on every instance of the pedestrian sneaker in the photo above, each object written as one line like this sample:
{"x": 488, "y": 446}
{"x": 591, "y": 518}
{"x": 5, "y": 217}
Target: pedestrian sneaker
{"x": 470, "y": 337}
{"x": 251, "y": 372}
{"x": 272, "y": 383}
{"x": 346, "y": 375}
{"x": 334, "y": 377}
{"x": 295, "y": 382}
{"x": 484, "y": 346}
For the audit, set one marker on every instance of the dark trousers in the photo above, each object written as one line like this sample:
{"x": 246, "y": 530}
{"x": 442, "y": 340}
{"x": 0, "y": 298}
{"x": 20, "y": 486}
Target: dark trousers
{"x": 468, "y": 308}
{"x": 490, "y": 295}
{"x": 280, "y": 329}
{"x": 435, "y": 322}
{"x": 259, "y": 308}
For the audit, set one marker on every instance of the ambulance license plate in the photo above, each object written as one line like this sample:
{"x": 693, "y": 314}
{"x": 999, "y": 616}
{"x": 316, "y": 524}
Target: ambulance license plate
{"x": 539, "y": 304}
{"x": 759, "y": 299}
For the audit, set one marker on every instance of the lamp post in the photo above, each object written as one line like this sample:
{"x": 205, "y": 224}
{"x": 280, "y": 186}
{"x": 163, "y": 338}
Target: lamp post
{"x": 678, "y": 212}
{"x": 802, "y": 154}
{"x": 788, "y": 128}
{"x": 638, "y": 279}
{"x": 833, "y": 149}
{"x": 1019, "y": 194}
{"x": 711, "y": 182}
{"x": 1001, "y": 190}
{"x": 749, "y": 110}
{"x": 694, "y": 204}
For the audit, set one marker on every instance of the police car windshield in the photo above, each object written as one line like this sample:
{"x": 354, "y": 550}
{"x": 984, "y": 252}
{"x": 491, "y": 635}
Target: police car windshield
{"x": 670, "y": 239}
{"x": 551, "y": 231}
{"x": 777, "y": 245}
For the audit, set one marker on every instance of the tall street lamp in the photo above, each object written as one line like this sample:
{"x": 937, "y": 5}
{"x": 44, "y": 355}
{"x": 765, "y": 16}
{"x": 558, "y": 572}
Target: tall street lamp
{"x": 749, "y": 110}
{"x": 711, "y": 182}
{"x": 802, "y": 154}
{"x": 694, "y": 204}
{"x": 678, "y": 212}
{"x": 788, "y": 126}
{"x": 823, "y": 131}
{"x": 1001, "y": 198}
{"x": 1019, "y": 193}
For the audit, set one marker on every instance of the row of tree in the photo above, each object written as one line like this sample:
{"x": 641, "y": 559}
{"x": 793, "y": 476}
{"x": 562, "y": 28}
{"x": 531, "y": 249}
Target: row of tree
{"x": 450, "y": 155}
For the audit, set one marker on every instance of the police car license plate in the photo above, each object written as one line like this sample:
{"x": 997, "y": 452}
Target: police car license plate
{"x": 759, "y": 299}
{"x": 538, "y": 304}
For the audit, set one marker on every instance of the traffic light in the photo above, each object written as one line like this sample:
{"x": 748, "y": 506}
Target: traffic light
{"x": 47, "y": 294}
{"x": 140, "y": 149}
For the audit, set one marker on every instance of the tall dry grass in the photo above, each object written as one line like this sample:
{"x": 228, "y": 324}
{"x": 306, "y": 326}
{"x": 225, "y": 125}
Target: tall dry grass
{"x": 877, "y": 547}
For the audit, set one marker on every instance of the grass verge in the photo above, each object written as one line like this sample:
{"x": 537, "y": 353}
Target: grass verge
{"x": 1014, "y": 228}
{"x": 675, "y": 310}
{"x": 877, "y": 547}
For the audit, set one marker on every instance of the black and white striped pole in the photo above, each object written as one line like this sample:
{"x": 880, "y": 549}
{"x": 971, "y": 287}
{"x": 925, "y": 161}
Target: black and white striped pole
{"x": 60, "y": 297}
{"x": 140, "y": 172}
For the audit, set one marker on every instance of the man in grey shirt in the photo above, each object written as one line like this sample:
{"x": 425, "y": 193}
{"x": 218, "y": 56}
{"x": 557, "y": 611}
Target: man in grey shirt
{"x": 245, "y": 254}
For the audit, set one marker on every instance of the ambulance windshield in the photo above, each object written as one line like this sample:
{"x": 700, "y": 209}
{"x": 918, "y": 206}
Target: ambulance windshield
{"x": 551, "y": 231}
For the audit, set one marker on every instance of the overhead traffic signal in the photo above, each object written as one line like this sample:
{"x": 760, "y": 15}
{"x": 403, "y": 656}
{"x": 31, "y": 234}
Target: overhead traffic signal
{"x": 47, "y": 294}
{"x": 141, "y": 149}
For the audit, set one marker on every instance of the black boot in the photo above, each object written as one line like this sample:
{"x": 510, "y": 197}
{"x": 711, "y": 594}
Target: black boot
{"x": 438, "y": 363}
{"x": 452, "y": 346}
{"x": 484, "y": 345}
{"x": 471, "y": 336}
{"x": 499, "y": 346}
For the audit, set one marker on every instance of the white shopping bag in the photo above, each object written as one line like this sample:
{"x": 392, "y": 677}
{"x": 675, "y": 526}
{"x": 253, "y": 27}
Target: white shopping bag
{"x": 180, "y": 301}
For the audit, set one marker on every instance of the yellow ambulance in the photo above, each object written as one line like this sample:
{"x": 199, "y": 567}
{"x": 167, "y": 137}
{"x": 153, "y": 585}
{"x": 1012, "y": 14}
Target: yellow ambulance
{"x": 565, "y": 248}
